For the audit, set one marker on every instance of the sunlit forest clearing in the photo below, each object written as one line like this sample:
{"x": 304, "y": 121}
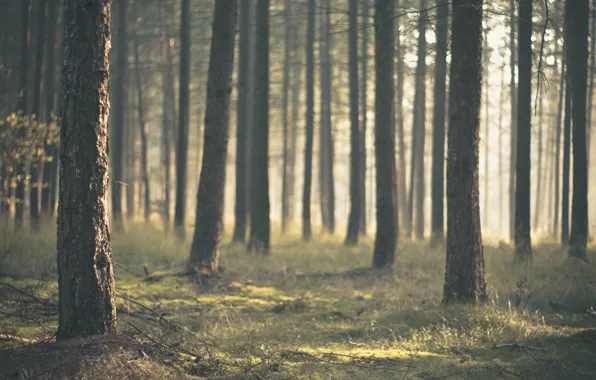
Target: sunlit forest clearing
{"x": 297, "y": 189}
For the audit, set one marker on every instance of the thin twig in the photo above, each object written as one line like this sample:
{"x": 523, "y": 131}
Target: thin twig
{"x": 517, "y": 345}
{"x": 26, "y": 294}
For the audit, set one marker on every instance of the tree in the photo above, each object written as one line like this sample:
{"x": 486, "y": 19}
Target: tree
{"x": 310, "y": 97}
{"x": 242, "y": 122}
{"x": 513, "y": 98}
{"x": 464, "y": 273}
{"x": 557, "y": 157}
{"x": 438, "y": 169}
{"x": 364, "y": 109}
{"x": 386, "y": 234}
{"x": 183, "y": 117}
{"x": 204, "y": 252}
{"x": 119, "y": 100}
{"x": 259, "y": 192}
{"x": 285, "y": 199}
{"x": 354, "y": 217}
{"x": 399, "y": 110}
{"x": 566, "y": 161}
{"x": 577, "y": 28}
{"x": 523, "y": 240}
{"x": 85, "y": 272}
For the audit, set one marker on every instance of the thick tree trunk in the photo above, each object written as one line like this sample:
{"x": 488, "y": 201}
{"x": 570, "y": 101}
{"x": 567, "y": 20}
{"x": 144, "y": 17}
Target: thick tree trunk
{"x": 50, "y": 168}
{"x": 566, "y": 162}
{"x": 260, "y": 229}
{"x": 143, "y": 133}
{"x": 85, "y": 272}
{"x": 577, "y": 29}
{"x": 464, "y": 274}
{"x": 364, "y": 109}
{"x": 22, "y": 108}
{"x": 36, "y": 168}
{"x": 354, "y": 217}
{"x": 513, "y": 99}
{"x": 204, "y": 251}
{"x": 183, "y": 118}
{"x": 438, "y": 170}
{"x": 118, "y": 94}
{"x": 523, "y": 240}
{"x": 386, "y": 235}
{"x": 310, "y": 97}
{"x": 242, "y": 122}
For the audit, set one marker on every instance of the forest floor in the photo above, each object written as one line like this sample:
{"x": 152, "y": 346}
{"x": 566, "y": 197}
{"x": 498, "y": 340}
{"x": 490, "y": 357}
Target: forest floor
{"x": 305, "y": 311}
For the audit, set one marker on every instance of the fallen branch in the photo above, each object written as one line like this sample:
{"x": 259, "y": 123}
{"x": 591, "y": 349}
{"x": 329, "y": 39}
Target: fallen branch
{"x": 165, "y": 345}
{"x": 519, "y": 346}
{"x": 15, "y": 338}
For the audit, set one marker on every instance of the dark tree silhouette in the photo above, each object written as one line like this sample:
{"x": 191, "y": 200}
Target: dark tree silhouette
{"x": 285, "y": 199}
{"x": 310, "y": 98}
{"x": 85, "y": 272}
{"x": 464, "y": 273}
{"x": 513, "y": 98}
{"x": 566, "y": 162}
{"x": 364, "y": 108}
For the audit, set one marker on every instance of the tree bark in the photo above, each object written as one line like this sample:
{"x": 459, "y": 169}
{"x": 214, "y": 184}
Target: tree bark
{"x": 513, "y": 143}
{"x": 183, "y": 118}
{"x": 260, "y": 229}
{"x": 566, "y": 161}
{"x": 438, "y": 170}
{"x": 401, "y": 179}
{"x": 204, "y": 252}
{"x": 85, "y": 272}
{"x": 557, "y": 157}
{"x": 285, "y": 201}
{"x": 501, "y": 155}
{"x": 310, "y": 97}
{"x": 386, "y": 234}
{"x": 364, "y": 109}
{"x": 354, "y": 216}
{"x": 523, "y": 240}
{"x": 486, "y": 128}
{"x": 539, "y": 168}
{"x": 577, "y": 28}
{"x": 464, "y": 274}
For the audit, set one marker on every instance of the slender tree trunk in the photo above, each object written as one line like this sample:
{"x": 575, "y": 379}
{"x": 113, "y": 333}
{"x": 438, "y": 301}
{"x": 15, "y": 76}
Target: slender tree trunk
{"x": 260, "y": 229}
{"x": 557, "y": 157}
{"x": 354, "y": 217}
{"x": 310, "y": 95}
{"x": 330, "y": 151}
{"x": 539, "y": 169}
{"x": 285, "y": 201}
{"x": 37, "y": 165}
{"x": 50, "y": 169}
{"x": 86, "y": 285}
{"x": 486, "y": 65}
{"x": 440, "y": 94}
{"x": 501, "y": 155}
{"x": 167, "y": 129}
{"x": 513, "y": 143}
{"x": 293, "y": 127}
{"x": 204, "y": 251}
{"x": 464, "y": 274}
{"x": 22, "y": 108}
{"x": 131, "y": 154}
{"x": 143, "y": 133}
{"x": 577, "y": 30}
{"x": 523, "y": 240}
{"x": 183, "y": 117}
{"x": 566, "y": 162}
{"x": 387, "y": 232}
{"x": 364, "y": 109}
{"x": 590, "y": 104}
{"x": 118, "y": 99}
{"x": 401, "y": 180}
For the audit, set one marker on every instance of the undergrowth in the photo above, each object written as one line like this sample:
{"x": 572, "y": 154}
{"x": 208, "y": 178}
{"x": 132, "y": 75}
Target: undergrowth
{"x": 307, "y": 310}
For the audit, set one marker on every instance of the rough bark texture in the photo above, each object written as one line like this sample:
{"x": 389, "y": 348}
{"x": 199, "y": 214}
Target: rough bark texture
{"x": 183, "y": 117}
{"x": 204, "y": 252}
{"x": 386, "y": 234}
{"x": 354, "y": 217}
{"x": 364, "y": 109}
{"x": 259, "y": 208}
{"x": 523, "y": 240}
{"x": 464, "y": 273}
{"x": 85, "y": 273}
{"x": 118, "y": 94}
{"x": 50, "y": 169}
{"x": 310, "y": 97}
{"x": 577, "y": 27}
{"x": 438, "y": 169}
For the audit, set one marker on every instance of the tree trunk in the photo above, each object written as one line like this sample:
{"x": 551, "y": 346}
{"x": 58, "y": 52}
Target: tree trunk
{"x": 577, "y": 30}
{"x": 501, "y": 155}
{"x": 354, "y": 217}
{"x": 285, "y": 202}
{"x": 386, "y": 234}
{"x": 22, "y": 108}
{"x": 37, "y": 165}
{"x": 259, "y": 209}
{"x": 183, "y": 116}
{"x": 364, "y": 109}
{"x": 118, "y": 99}
{"x": 330, "y": 149}
{"x": 242, "y": 122}
{"x": 293, "y": 127}
{"x": 143, "y": 133}
{"x": 204, "y": 251}
{"x": 438, "y": 170}
{"x": 539, "y": 171}
{"x": 590, "y": 104}
{"x": 486, "y": 128}
{"x": 167, "y": 126}
{"x": 310, "y": 95}
{"x": 401, "y": 180}
{"x": 566, "y": 161}
{"x": 523, "y": 240}
{"x": 557, "y": 157}
{"x": 513, "y": 143}
{"x": 131, "y": 151}
{"x": 85, "y": 272}
{"x": 464, "y": 273}
{"x": 50, "y": 169}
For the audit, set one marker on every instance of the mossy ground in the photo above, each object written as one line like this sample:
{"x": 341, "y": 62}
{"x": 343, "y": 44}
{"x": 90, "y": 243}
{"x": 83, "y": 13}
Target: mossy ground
{"x": 314, "y": 311}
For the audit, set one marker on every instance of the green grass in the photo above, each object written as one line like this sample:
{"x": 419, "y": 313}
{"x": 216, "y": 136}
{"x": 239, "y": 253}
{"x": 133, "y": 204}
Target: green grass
{"x": 314, "y": 311}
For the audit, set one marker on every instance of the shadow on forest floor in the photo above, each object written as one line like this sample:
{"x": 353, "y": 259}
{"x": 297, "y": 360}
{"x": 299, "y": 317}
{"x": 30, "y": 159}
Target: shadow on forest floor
{"x": 304, "y": 311}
